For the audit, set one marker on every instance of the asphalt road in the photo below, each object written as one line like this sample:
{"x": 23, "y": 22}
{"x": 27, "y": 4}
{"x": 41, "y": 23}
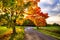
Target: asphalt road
{"x": 31, "y": 34}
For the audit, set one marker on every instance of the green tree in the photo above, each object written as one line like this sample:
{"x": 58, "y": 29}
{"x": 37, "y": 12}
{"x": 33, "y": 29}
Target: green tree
{"x": 12, "y": 11}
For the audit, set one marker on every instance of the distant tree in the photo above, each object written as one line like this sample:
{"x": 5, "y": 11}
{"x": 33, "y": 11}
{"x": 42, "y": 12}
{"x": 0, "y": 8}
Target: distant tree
{"x": 55, "y": 24}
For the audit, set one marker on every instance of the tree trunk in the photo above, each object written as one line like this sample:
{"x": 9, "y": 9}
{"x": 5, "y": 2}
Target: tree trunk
{"x": 13, "y": 34}
{"x": 14, "y": 30}
{"x": 37, "y": 27}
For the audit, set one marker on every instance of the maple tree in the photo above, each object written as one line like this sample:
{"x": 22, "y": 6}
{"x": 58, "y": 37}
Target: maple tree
{"x": 12, "y": 10}
{"x": 16, "y": 10}
{"x": 35, "y": 14}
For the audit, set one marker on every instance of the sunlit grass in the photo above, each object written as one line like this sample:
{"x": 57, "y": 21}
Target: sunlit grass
{"x": 51, "y": 31}
{"x": 18, "y": 36}
{"x": 55, "y": 35}
{"x": 51, "y": 28}
{"x": 3, "y": 30}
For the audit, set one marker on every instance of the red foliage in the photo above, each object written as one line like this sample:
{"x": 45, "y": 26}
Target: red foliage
{"x": 38, "y": 12}
{"x": 35, "y": 0}
{"x": 37, "y": 16}
{"x": 38, "y": 0}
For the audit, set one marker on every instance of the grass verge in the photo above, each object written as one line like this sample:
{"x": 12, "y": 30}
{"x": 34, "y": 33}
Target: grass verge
{"x": 4, "y": 31}
{"x": 51, "y": 31}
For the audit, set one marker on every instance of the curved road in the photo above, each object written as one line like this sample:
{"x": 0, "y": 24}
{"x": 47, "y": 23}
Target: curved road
{"x": 31, "y": 34}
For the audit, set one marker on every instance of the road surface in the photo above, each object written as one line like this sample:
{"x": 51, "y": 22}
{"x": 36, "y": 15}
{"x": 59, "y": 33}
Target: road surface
{"x": 31, "y": 34}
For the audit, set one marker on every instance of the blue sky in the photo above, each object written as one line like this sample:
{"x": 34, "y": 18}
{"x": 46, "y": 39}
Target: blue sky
{"x": 53, "y": 9}
{"x": 50, "y": 6}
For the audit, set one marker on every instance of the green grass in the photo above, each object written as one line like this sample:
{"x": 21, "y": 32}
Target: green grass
{"x": 3, "y": 30}
{"x": 51, "y": 28}
{"x": 18, "y": 36}
{"x": 55, "y": 35}
{"x": 51, "y": 31}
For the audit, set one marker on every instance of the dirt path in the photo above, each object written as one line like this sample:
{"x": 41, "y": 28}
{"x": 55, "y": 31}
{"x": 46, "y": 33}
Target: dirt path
{"x": 31, "y": 34}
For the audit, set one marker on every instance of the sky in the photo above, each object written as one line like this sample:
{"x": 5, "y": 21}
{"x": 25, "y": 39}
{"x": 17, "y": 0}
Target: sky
{"x": 52, "y": 7}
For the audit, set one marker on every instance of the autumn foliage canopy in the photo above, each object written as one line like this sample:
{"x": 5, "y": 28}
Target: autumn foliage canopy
{"x": 35, "y": 14}
{"x": 24, "y": 9}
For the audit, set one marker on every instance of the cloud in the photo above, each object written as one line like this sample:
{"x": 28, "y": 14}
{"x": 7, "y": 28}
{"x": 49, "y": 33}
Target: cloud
{"x": 47, "y": 1}
{"x": 53, "y": 9}
{"x": 56, "y": 8}
{"x": 50, "y": 6}
{"x": 53, "y": 19}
